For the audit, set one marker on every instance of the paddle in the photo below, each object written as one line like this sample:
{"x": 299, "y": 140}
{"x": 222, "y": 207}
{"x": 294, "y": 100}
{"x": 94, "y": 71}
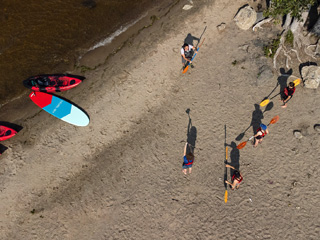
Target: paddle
{"x": 243, "y": 144}
{"x": 186, "y": 68}
{"x": 266, "y": 101}
{"x": 226, "y": 192}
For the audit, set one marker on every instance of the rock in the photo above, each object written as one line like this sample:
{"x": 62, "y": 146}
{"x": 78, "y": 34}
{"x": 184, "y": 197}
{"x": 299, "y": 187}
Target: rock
{"x": 316, "y": 28}
{"x": 89, "y": 4}
{"x": 221, "y": 27}
{"x": 265, "y": 74}
{"x": 245, "y": 18}
{"x": 244, "y": 47}
{"x": 260, "y": 17}
{"x": 187, "y": 7}
{"x": 297, "y": 134}
{"x": 317, "y": 127}
{"x": 311, "y": 76}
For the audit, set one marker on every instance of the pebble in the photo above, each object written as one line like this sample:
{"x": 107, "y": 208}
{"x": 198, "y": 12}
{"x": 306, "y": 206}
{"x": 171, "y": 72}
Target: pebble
{"x": 317, "y": 127}
{"x": 221, "y": 27}
{"x": 297, "y": 134}
{"x": 187, "y": 7}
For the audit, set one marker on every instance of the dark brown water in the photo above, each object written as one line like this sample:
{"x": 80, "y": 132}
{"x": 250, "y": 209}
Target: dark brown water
{"x": 45, "y": 36}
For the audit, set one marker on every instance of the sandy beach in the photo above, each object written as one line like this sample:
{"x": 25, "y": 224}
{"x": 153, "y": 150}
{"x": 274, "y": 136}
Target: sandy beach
{"x": 120, "y": 177}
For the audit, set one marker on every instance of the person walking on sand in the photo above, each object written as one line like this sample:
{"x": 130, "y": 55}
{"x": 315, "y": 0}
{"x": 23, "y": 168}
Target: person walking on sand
{"x": 236, "y": 178}
{"x": 187, "y": 52}
{"x": 261, "y": 132}
{"x": 287, "y": 93}
{"x": 187, "y": 160}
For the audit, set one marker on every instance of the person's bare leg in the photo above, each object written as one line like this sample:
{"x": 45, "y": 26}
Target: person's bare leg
{"x": 256, "y": 143}
{"x": 190, "y": 169}
{"x": 184, "y": 171}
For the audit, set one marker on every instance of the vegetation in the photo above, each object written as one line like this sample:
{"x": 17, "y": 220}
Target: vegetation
{"x": 272, "y": 47}
{"x": 284, "y": 7}
{"x": 289, "y": 38}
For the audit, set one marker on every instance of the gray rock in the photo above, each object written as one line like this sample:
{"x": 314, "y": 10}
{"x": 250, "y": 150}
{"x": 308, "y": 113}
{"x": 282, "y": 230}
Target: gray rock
{"x": 244, "y": 47}
{"x": 317, "y": 127}
{"x": 245, "y": 18}
{"x": 297, "y": 134}
{"x": 265, "y": 74}
{"x": 311, "y": 76}
{"x": 316, "y": 28}
{"x": 187, "y": 7}
{"x": 89, "y": 4}
{"x": 221, "y": 27}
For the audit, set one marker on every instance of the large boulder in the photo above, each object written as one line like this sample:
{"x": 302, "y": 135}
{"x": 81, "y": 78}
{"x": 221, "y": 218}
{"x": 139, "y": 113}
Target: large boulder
{"x": 245, "y": 18}
{"x": 311, "y": 76}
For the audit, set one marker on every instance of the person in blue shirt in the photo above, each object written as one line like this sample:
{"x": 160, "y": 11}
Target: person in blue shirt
{"x": 187, "y": 160}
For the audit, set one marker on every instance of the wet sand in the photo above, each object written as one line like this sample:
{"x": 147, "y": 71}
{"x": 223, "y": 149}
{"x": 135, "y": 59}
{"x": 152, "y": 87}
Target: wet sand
{"x": 121, "y": 178}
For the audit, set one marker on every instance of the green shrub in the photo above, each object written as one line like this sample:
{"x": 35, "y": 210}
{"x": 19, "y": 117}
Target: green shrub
{"x": 272, "y": 47}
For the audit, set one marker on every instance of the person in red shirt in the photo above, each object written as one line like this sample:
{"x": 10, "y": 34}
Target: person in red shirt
{"x": 287, "y": 93}
{"x": 236, "y": 178}
{"x": 261, "y": 132}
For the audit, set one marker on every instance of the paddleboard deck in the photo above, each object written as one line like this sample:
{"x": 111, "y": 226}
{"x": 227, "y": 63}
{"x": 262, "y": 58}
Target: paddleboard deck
{"x": 60, "y": 108}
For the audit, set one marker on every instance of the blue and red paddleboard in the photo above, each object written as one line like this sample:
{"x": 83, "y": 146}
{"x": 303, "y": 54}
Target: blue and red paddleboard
{"x": 60, "y": 108}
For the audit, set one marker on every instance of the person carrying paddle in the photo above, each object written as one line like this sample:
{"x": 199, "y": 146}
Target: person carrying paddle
{"x": 236, "y": 178}
{"x": 261, "y": 132}
{"x": 287, "y": 93}
{"x": 187, "y": 52}
{"x": 187, "y": 160}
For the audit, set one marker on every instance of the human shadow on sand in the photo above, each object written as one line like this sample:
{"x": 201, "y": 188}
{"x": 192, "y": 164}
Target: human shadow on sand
{"x": 189, "y": 39}
{"x": 234, "y": 157}
{"x": 256, "y": 119}
{"x": 281, "y": 81}
{"x": 191, "y": 133}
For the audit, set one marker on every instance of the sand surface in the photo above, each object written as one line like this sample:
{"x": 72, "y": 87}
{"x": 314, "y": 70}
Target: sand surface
{"x": 120, "y": 177}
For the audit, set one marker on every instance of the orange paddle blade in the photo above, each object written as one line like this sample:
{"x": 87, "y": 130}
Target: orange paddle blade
{"x": 297, "y": 82}
{"x": 186, "y": 69}
{"x": 274, "y": 119}
{"x": 242, "y": 145}
{"x": 226, "y": 196}
{"x": 264, "y": 102}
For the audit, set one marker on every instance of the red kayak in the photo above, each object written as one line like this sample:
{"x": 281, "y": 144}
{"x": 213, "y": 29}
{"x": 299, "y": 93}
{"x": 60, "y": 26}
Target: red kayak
{"x": 52, "y": 82}
{"x": 6, "y": 133}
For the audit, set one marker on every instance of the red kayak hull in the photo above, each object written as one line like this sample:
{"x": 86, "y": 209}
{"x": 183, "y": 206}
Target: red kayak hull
{"x": 6, "y": 133}
{"x": 53, "y": 82}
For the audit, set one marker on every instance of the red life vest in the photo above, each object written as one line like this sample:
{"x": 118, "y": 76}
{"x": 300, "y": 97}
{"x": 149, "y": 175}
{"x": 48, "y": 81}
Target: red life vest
{"x": 189, "y": 162}
{"x": 289, "y": 91}
{"x": 263, "y": 133}
{"x": 239, "y": 180}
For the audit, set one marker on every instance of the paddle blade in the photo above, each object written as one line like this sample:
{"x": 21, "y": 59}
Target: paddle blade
{"x": 264, "y": 102}
{"x": 226, "y": 153}
{"x": 185, "y": 70}
{"x": 242, "y": 145}
{"x": 226, "y": 196}
{"x": 297, "y": 82}
{"x": 274, "y": 119}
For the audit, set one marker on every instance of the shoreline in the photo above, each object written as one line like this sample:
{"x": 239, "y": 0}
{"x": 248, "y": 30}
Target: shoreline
{"x": 93, "y": 58}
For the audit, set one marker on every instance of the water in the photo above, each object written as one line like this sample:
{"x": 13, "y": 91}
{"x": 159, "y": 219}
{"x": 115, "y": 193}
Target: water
{"x": 41, "y": 37}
